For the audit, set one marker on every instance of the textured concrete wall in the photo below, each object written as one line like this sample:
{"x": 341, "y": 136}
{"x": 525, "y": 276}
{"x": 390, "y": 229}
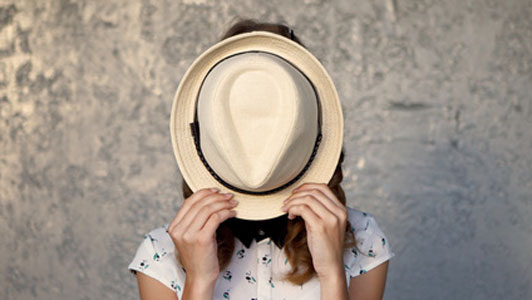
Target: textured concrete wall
{"x": 438, "y": 110}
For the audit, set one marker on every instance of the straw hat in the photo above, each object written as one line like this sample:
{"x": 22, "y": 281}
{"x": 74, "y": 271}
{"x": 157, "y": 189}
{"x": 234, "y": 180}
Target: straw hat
{"x": 256, "y": 115}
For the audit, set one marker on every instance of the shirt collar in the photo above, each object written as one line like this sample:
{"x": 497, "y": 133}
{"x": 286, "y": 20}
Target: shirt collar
{"x": 247, "y": 230}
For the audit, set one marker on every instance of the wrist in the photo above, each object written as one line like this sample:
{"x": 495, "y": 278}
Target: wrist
{"x": 333, "y": 278}
{"x": 198, "y": 288}
{"x": 333, "y": 274}
{"x": 334, "y": 286}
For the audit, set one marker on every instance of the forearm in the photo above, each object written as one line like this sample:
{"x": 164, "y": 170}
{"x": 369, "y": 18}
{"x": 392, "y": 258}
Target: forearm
{"x": 334, "y": 287}
{"x": 198, "y": 290}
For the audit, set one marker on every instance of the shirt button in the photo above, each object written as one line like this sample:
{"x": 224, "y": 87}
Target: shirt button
{"x": 261, "y": 232}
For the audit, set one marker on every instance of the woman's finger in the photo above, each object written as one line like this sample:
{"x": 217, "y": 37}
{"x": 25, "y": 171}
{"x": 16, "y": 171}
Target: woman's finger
{"x": 196, "y": 208}
{"x": 316, "y": 205}
{"x": 324, "y": 188}
{"x": 215, "y": 220}
{"x": 206, "y": 211}
{"x": 200, "y": 194}
{"x": 321, "y": 197}
{"x": 312, "y": 221}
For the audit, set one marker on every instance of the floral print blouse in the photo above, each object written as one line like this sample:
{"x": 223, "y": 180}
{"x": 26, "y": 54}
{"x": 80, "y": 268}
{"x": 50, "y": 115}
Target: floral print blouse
{"x": 255, "y": 272}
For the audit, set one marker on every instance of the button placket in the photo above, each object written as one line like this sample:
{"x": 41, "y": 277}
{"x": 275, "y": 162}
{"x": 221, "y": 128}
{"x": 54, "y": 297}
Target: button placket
{"x": 264, "y": 269}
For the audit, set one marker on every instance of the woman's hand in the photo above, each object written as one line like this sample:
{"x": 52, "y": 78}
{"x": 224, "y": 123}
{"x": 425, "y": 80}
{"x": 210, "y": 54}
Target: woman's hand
{"x": 325, "y": 220}
{"x": 193, "y": 232}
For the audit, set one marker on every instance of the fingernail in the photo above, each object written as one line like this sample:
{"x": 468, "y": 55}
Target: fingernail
{"x": 233, "y": 201}
{"x": 215, "y": 189}
{"x": 227, "y": 195}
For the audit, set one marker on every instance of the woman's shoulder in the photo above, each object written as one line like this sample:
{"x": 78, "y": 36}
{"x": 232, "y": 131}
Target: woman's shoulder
{"x": 157, "y": 245}
{"x": 365, "y": 227}
{"x": 359, "y": 218}
{"x": 155, "y": 256}
{"x": 160, "y": 239}
{"x": 372, "y": 245}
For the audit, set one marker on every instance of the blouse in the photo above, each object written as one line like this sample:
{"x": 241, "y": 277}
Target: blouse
{"x": 255, "y": 272}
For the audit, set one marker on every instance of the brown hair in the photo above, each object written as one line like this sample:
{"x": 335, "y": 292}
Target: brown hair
{"x": 295, "y": 246}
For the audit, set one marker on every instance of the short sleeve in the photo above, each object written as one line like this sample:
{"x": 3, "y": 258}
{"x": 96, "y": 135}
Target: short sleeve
{"x": 373, "y": 247}
{"x": 156, "y": 258}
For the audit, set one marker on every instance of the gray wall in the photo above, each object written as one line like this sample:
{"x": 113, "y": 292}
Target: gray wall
{"x": 438, "y": 110}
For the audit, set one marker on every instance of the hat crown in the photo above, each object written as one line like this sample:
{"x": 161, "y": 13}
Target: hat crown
{"x": 258, "y": 120}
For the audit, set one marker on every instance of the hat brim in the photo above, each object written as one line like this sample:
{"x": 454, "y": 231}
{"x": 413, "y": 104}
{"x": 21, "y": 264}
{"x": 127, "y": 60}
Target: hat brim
{"x": 256, "y": 207}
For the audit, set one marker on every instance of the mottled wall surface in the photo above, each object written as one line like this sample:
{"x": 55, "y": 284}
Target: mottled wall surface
{"x": 438, "y": 111}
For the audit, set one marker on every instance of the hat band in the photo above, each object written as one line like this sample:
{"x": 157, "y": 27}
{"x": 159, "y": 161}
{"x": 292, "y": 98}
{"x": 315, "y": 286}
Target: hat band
{"x": 195, "y": 131}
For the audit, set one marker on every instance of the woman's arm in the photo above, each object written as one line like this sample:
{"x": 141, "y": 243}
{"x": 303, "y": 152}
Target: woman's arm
{"x": 152, "y": 289}
{"x": 370, "y": 285}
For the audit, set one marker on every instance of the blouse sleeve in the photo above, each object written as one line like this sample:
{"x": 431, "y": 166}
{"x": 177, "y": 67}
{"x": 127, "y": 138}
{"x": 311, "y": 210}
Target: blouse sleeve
{"x": 156, "y": 258}
{"x": 373, "y": 247}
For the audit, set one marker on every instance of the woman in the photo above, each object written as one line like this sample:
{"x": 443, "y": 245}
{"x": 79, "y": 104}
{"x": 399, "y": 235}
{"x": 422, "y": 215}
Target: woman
{"x": 205, "y": 253}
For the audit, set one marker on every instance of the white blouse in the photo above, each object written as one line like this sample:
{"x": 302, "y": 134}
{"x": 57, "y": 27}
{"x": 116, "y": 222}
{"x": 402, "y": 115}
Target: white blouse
{"x": 255, "y": 273}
